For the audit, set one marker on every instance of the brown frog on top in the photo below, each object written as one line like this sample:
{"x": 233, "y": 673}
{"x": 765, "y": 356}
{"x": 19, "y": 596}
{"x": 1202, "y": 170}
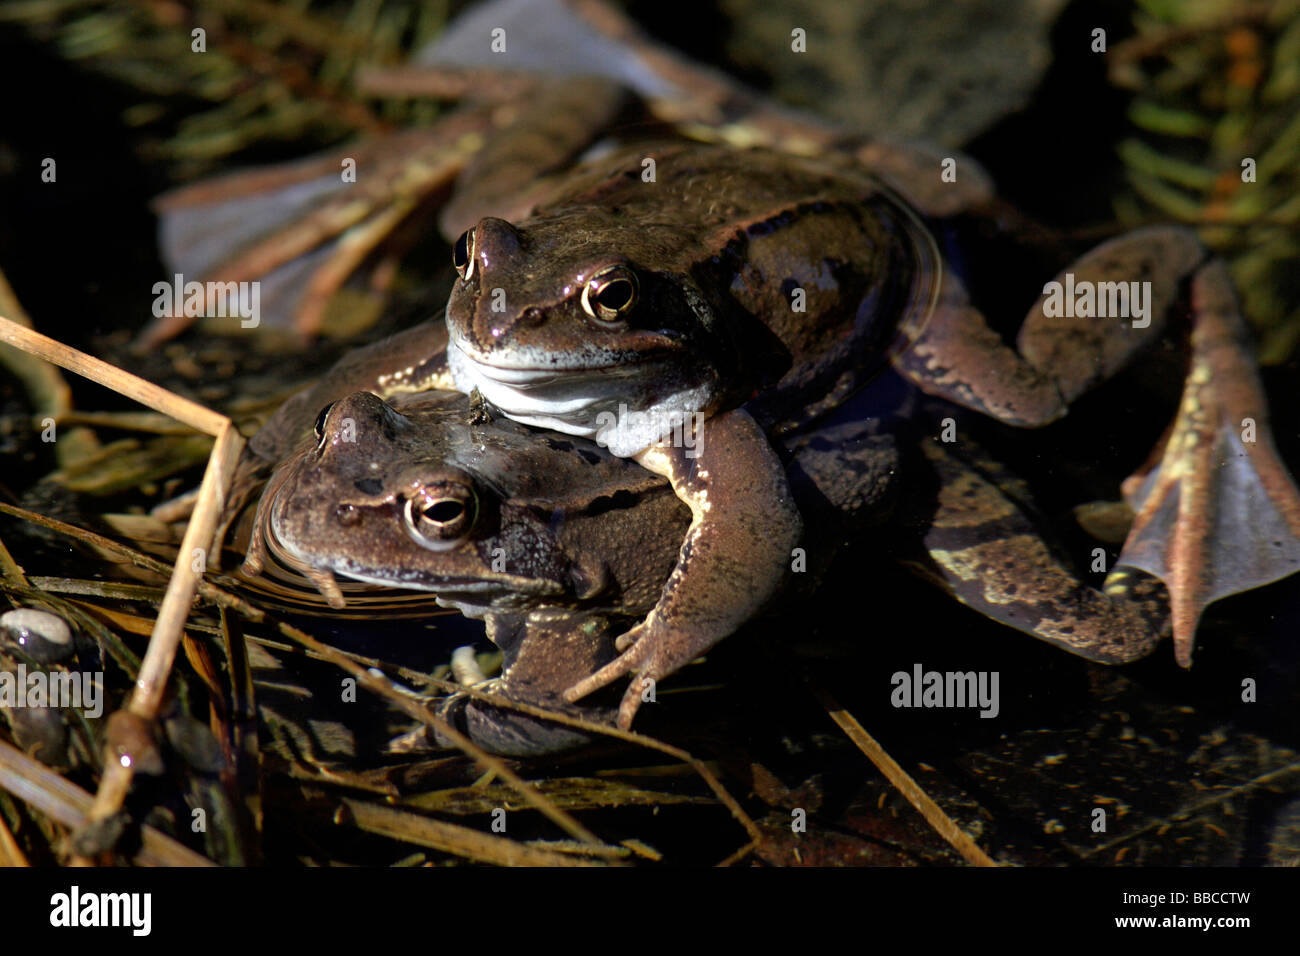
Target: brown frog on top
{"x": 645, "y": 314}
{"x": 620, "y": 308}
{"x": 645, "y": 297}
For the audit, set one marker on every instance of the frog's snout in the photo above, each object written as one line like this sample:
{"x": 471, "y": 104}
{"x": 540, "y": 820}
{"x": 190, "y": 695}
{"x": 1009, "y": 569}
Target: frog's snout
{"x": 357, "y": 418}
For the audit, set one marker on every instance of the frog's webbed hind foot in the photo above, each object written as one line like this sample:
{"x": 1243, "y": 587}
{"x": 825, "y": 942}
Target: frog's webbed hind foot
{"x": 986, "y": 550}
{"x": 1216, "y": 511}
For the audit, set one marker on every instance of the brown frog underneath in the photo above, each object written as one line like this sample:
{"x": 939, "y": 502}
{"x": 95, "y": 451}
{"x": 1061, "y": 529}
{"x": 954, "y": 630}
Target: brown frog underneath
{"x": 554, "y": 542}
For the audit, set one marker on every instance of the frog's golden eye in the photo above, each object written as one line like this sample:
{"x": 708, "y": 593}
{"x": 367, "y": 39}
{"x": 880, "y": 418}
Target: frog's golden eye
{"x": 610, "y": 294}
{"x": 441, "y": 516}
{"x": 320, "y": 422}
{"x": 462, "y": 254}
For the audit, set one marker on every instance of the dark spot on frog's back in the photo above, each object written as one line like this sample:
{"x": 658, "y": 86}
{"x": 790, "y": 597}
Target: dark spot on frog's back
{"x": 619, "y": 499}
{"x": 788, "y": 217}
{"x": 590, "y": 455}
{"x": 839, "y": 268}
{"x": 771, "y": 225}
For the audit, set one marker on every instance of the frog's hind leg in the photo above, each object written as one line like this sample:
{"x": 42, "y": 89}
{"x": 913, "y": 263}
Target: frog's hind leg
{"x": 1217, "y": 513}
{"x": 985, "y": 549}
{"x": 301, "y": 229}
{"x": 1064, "y": 348}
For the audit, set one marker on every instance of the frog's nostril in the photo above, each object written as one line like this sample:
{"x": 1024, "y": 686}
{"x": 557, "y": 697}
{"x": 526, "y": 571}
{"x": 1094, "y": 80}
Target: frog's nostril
{"x": 532, "y": 316}
{"x": 347, "y": 515}
{"x": 462, "y": 254}
{"x": 320, "y": 421}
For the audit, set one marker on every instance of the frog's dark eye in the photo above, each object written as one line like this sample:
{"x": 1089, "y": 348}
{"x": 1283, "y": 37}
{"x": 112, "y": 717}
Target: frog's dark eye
{"x": 610, "y": 294}
{"x": 440, "y": 516}
{"x": 320, "y": 421}
{"x": 462, "y": 254}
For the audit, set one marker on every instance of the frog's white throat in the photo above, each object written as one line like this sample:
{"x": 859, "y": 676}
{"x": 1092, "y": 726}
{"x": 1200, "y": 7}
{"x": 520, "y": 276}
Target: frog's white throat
{"x": 625, "y": 414}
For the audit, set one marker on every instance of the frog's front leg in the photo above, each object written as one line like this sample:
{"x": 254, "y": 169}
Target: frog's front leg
{"x": 735, "y": 555}
{"x": 545, "y": 651}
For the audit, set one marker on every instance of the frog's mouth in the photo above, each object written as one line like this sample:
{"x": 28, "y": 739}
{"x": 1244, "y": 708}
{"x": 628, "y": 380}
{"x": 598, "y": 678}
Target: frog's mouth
{"x": 490, "y": 591}
{"x": 621, "y": 406}
{"x": 599, "y": 365}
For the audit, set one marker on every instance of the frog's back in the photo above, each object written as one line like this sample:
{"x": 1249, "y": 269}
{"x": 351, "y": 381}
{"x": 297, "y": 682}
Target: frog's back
{"x": 814, "y": 264}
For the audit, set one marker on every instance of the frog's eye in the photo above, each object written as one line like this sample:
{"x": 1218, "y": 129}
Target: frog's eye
{"x": 439, "y": 517}
{"x": 610, "y": 294}
{"x": 320, "y": 421}
{"x": 462, "y": 254}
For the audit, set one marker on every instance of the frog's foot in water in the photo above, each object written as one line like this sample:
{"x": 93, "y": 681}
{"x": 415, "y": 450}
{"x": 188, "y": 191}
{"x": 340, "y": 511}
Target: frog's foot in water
{"x": 1217, "y": 512}
{"x": 735, "y": 556}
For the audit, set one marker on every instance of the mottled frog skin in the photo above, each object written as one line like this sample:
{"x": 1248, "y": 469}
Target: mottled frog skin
{"x": 585, "y": 287}
{"x": 620, "y": 304}
{"x": 550, "y": 539}
{"x": 556, "y": 544}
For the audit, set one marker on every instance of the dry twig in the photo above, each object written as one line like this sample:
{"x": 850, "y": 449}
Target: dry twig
{"x": 943, "y": 824}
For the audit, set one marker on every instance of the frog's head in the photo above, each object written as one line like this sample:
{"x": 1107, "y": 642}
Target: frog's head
{"x": 487, "y": 516}
{"x": 379, "y": 497}
{"x": 578, "y": 312}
